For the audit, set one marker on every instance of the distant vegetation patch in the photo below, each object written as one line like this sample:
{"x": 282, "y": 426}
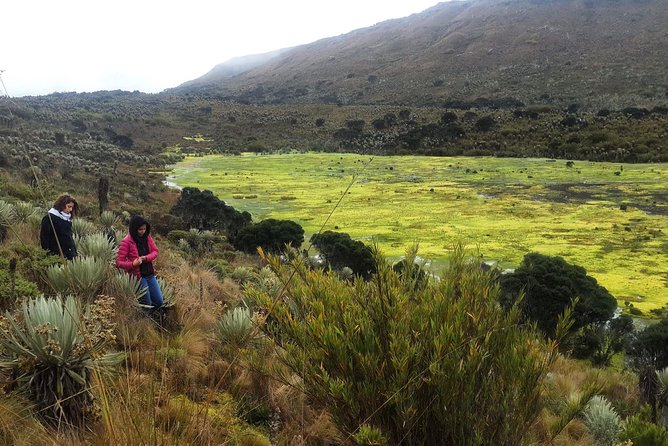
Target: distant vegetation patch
{"x": 611, "y": 218}
{"x": 198, "y": 138}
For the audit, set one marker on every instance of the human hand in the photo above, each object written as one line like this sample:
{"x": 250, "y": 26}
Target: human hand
{"x": 137, "y": 261}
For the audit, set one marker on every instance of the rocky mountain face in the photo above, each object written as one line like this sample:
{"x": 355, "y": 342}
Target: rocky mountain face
{"x": 499, "y": 53}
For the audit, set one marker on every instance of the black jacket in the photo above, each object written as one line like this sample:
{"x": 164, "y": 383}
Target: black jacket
{"x": 47, "y": 238}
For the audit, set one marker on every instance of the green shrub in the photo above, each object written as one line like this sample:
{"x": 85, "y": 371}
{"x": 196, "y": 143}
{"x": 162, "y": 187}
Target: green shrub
{"x": 33, "y": 262}
{"x": 242, "y": 275}
{"x": 219, "y": 266}
{"x": 441, "y": 365}
{"x": 52, "y": 349}
{"x": 165, "y": 223}
{"x": 599, "y": 342}
{"x": 21, "y": 191}
{"x": 267, "y": 281}
{"x": 643, "y": 433}
{"x": 203, "y": 210}
{"x": 369, "y": 436}
{"x": 602, "y": 421}
{"x": 190, "y": 236}
{"x": 662, "y": 394}
{"x": 410, "y": 271}
{"x": 22, "y": 288}
{"x": 196, "y": 242}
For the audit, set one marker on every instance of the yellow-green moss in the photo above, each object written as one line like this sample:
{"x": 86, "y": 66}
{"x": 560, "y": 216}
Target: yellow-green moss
{"x": 607, "y": 217}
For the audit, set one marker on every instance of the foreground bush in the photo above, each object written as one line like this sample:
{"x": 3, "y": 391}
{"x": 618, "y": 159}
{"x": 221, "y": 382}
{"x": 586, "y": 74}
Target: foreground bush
{"x": 52, "y": 349}
{"x": 644, "y": 433}
{"x": 441, "y": 364}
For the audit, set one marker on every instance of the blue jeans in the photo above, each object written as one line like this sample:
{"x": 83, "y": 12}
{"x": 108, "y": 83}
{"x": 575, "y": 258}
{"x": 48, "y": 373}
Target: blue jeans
{"x": 153, "y": 294}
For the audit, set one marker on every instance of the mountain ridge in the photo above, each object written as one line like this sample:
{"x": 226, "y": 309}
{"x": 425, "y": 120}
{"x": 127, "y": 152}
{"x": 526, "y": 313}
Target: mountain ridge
{"x": 598, "y": 53}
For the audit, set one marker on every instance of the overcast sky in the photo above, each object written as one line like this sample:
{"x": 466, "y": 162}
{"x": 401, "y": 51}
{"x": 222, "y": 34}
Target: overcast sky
{"x": 148, "y": 45}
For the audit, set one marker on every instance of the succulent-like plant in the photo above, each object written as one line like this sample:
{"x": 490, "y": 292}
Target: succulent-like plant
{"x": 662, "y": 396}
{"x": 243, "y": 275}
{"x": 118, "y": 235}
{"x": 208, "y": 237}
{"x": 127, "y": 286}
{"x": 82, "y": 228}
{"x": 52, "y": 349}
{"x": 184, "y": 246}
{"x": 168, "y": 293}
{"x": 96, "y": 245}
{"x": 236, "y": 329}
{"x": 6, "y": 213}
{"x": 662, "y": 378}
{"x": 108, "y": 219}
{"x": 602, "y": 421}
{"x": 22, "y": 211}
{"x": 82, "y": 276}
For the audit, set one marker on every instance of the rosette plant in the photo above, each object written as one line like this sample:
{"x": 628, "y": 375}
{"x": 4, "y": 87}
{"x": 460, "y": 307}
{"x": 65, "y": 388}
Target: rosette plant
{"x": 54, "y": 349}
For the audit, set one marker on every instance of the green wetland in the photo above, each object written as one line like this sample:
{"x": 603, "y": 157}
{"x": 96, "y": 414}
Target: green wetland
{"x": 610, "y": 218}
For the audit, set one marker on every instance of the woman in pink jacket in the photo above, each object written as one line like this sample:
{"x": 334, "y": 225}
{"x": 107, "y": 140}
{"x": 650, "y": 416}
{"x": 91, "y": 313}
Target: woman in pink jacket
{"x": 136, "y": 255}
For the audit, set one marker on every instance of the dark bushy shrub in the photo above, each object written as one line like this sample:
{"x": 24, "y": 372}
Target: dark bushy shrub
{"x": 652, "y": 343}
{"x": 412, "y": 273}
{"x": 599, "y": 342}
{"x": 164, "y": 223}
{"x": 339, "y": 250}
{"x": 448, "y": 117}
{"x": 271, "y": 235}
{"x": 550, "y": 284}
{"x": 485, "y": 123}
{"x": 356, "y": 125}
{"x": 203, "y": 210}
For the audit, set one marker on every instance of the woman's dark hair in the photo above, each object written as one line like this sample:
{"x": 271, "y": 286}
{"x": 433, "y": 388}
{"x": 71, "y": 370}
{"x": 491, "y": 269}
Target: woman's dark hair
{"x": 61, "y": 201}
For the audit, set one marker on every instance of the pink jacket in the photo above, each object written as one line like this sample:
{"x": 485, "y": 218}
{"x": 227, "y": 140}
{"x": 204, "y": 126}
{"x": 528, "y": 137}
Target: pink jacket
{"x": 127, "y": 253}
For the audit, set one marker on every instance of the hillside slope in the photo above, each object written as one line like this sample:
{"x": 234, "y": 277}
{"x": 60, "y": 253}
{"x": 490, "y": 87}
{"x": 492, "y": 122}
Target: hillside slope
{"x": 598, "y": 53}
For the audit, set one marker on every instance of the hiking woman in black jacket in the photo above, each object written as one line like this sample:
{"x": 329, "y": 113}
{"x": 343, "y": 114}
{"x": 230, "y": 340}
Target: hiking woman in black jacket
{"x": 55, "y": 234}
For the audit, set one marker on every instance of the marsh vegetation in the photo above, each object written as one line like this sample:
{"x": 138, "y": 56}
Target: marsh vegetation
{"x": 609, "y": 217}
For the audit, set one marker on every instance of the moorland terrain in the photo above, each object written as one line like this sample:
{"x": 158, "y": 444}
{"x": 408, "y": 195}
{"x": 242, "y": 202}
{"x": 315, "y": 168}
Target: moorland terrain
{"x": 255, "y": 349}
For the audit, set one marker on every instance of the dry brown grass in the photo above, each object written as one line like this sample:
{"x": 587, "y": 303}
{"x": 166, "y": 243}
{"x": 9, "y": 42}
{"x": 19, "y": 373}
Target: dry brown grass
{"x": 18, "y": 426}
{"x": 23, "y": 234}
{"x": 301, "y": 420}
{"x": 566, "y": 380}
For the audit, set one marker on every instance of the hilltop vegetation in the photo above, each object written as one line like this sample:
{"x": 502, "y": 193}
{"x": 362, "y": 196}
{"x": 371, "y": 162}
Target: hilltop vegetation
{"x": 154, "y": 129}
{"x": 599, "y": 53}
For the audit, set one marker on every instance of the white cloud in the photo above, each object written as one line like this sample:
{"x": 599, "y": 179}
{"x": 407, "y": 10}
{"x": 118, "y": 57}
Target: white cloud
{"x": 148, "y": 45}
